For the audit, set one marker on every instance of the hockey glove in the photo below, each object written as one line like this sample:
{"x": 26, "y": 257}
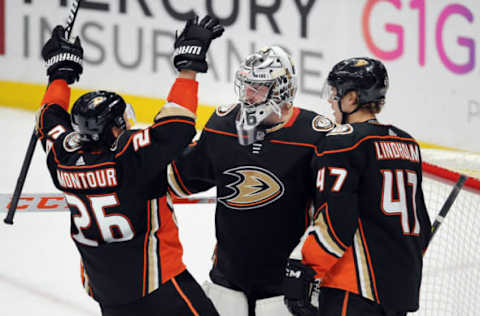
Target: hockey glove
{"x": 297, "y": 288}
{"x": 63, "y": 59}
{"x": 192, "y": 45}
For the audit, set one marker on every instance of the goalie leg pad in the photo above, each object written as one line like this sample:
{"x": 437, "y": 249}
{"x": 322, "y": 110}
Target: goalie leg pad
{"x": 226, "y": 301}
{"x": 272, "y": 306}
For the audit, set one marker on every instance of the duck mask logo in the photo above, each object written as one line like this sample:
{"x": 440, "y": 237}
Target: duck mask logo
{"x": 254, "y": 187}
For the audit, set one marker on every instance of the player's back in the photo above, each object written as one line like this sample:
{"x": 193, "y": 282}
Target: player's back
{"x": 380, "y": 167}
{"x": 119, "y": 214}
{"x": 117, "y": 197}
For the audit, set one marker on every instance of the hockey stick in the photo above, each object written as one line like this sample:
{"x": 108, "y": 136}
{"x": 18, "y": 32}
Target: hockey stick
{"x": 55, "y": 202}
{"x": 447, "y": 205}
{"x": 72, "y": 15}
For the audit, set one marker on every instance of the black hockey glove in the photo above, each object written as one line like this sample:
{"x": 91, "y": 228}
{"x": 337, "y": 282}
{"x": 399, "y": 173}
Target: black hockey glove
{"x": 63, "y": 59}
{"x": 192, "y": 45}
{"x": 297, "y": 288}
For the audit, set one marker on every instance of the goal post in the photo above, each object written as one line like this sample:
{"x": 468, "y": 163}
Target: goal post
{"x": 451, "y": 270}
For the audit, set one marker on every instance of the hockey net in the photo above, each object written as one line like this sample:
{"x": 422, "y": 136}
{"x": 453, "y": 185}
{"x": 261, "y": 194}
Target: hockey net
{"x": 451, "y": 273}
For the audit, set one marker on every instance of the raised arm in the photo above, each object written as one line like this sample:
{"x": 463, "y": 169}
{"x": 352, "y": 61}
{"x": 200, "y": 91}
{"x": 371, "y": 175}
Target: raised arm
{"x": 64, "y": 66}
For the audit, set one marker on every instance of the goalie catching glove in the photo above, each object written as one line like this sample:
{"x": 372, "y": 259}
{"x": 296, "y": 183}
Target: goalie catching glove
{"x": 192, "y": 45}
{"x": 63, "y": 59}
{"x": 297, "y": 288}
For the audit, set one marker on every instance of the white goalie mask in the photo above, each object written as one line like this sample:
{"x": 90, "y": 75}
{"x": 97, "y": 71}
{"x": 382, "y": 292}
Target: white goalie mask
{"x": 265, "y": 83}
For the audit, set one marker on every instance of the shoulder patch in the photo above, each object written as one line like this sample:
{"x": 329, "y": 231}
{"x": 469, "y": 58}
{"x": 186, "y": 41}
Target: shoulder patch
{"x": 321, "y": 123}
{"x": 71, "y": 142}
{"x": 341, "y": 129}
{"x": 224, "y": 109}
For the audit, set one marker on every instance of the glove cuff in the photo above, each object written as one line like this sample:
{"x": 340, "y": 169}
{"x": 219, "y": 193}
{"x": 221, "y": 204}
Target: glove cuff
{"x": 184, "y": 92}
{"x": 63, "y": 57}
{"x": 195, "y": 65}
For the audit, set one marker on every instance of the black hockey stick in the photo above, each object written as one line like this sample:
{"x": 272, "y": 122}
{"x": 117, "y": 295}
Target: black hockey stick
{"x": 447, "y": 205}
{"x": 21, "y": 179}
{"x": 72, "y": 15}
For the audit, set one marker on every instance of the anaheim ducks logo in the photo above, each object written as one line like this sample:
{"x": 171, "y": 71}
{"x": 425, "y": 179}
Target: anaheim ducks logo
{"x": 254, "y": 187}
{"x": 72, "y": 142}
{"x": 322, "y": 124}
{"x": 361, "y": 63}
{"x": 97, "y": 101}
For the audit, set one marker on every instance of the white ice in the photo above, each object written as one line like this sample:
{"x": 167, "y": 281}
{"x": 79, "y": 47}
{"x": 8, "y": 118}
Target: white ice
{"x": 39, "y": 264}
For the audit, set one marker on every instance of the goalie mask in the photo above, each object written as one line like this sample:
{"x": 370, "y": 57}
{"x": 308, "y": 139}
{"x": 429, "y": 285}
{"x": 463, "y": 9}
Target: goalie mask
{"x": 265, "y": 83}
{"x": 95, "y": 113}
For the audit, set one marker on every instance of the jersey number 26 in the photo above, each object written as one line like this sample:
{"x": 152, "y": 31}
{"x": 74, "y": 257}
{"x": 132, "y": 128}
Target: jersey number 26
{"x": 112, "y": 227}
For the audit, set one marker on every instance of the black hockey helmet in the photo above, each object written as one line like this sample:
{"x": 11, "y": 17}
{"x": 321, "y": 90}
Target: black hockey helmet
{"x": 367, "y": 76}
{"x": 95, "y": 113}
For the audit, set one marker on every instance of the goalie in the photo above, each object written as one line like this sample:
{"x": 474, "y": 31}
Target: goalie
{"x": 257, "y": 153}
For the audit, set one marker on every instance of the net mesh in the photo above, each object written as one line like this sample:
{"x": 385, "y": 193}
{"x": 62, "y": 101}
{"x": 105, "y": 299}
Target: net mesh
{"x": 451, "y": 273}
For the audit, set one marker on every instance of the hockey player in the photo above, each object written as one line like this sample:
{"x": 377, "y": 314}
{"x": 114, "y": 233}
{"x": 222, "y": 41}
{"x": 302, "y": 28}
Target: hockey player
{"x": 371, "y": 224}
{"x": 257, "y": 153}
{"x": 114, "y": 180}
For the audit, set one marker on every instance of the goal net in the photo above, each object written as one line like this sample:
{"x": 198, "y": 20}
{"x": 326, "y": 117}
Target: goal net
{"x": 451, "y": 273}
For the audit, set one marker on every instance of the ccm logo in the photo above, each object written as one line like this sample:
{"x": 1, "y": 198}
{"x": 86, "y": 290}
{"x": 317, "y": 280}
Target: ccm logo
{"x": 45, "y": 203}
{"x": 293, "y": 274}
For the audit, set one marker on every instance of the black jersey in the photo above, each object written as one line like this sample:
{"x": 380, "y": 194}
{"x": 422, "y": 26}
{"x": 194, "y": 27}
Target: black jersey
{"x": 122, "y": 219}
{"x": 264, "y": 192}
{"x": 371, "y": 224}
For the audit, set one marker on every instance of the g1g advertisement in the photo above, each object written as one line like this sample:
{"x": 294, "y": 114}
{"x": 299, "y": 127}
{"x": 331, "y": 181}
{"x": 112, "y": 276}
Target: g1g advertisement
{"x": 429, "y": 49}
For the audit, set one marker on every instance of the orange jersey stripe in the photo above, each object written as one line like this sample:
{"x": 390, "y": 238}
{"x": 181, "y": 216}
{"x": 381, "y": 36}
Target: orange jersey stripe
{"x": 174, "y": 121}
{"x": 220, "y": 132}
{"x": 293, "y": 118}
{"x": 296, "y": 144}
{"x": 55, "y": 155}
{"x": 41, "y": 119}
{"x": 82, "y": 276}
{"x": 345, "y": 304}
{"x": 331, "y": 227}
{"x": 180, "y": 179}
{"x": 185, "y": 298}
{"x": 327, "y": 152}
{"x": 87, "y": 166}
{"x": 125, "y": 147}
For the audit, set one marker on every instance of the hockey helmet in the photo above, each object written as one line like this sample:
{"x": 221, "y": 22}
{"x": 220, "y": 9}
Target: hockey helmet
{"x": 95, "y": 113}
{"x": 265, "y": 82}
{"x": 367, "y": 76}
